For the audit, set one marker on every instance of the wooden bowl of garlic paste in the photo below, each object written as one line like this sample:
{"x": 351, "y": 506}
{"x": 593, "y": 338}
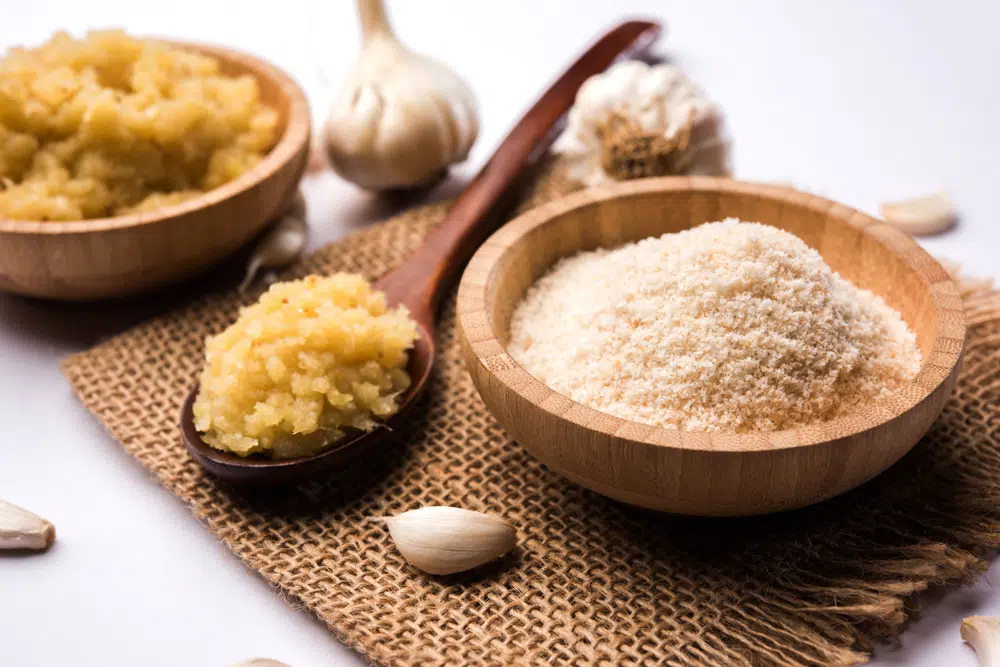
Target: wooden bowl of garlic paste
{"x": 174, "y": 227}
{"x": 743, "y": 423}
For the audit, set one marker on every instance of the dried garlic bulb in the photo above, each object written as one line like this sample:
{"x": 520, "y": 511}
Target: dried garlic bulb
{"x": 446, "y": 540}
{"x": 20, "y": 529}
{"x": 921, "y": 216}
{"x": 401, "y": 119}
{"x": 281, "y": 245}
{"x": 637, "y": 120}
{"x": 982, "y": 633}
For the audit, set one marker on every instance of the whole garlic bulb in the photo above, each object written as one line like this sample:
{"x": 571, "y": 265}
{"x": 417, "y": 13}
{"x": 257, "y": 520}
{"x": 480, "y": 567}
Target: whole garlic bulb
{"x": 401, "y": 118}
{"x": 445, "y": 540}
{"x": 657, "y": 99}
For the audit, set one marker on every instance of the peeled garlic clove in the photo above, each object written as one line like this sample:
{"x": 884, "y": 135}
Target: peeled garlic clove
{"x": 281, "y": 245}
{"x": 446, "y": 540}
{"x": 20, "y": 529}
{"x": 982, "y": 633}
{"x": 921, "y": 216}
{"x": 401, "y": 118}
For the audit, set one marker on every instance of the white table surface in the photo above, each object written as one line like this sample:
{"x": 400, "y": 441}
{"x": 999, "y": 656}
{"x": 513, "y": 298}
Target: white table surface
{"x": 862, "y": 101}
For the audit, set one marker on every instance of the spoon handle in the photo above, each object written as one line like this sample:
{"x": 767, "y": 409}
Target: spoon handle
{"x": 422, "y": 280}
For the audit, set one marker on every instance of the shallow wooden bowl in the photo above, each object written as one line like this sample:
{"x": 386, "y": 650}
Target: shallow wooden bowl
{"x": 90, "y": 259}
{"x": 709, "y": 474}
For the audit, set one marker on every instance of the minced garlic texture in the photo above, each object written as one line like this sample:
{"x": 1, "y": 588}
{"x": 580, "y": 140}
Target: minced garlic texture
{"x": 730, "y": 326}
{"x": 309, "y": 359}
{"x": 110, "y": 124}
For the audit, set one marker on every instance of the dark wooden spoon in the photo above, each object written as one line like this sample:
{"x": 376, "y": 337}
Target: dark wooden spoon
{"x": 425, "y": 277}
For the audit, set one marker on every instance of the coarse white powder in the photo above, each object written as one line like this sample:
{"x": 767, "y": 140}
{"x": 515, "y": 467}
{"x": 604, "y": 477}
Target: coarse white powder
{"x": 730, "y": 326}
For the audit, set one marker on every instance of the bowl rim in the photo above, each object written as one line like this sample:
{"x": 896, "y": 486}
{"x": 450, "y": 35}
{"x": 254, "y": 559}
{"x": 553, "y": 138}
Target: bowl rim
{"x": 475, "y": 318}
{"x": 296, "y": 133}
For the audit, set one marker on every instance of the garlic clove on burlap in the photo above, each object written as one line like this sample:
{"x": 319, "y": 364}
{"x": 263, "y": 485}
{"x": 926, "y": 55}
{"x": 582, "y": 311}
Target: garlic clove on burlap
{"x": 401, "y": 118}
{"x": 445, "y": 540}
{"x": 982, "y": 633}
{"x": 20, "y": 529}
{"x": 662, "y": 124}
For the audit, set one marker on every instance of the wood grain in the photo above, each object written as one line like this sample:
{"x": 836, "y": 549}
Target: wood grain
{"x": 90, "y": 259}
{"x": 708, "y": 473}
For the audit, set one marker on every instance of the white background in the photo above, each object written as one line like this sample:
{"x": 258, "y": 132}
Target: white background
{"x": 862, "y": 101}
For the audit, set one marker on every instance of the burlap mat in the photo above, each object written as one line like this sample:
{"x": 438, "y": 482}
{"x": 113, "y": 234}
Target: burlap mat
{"x": 593, "y": 581}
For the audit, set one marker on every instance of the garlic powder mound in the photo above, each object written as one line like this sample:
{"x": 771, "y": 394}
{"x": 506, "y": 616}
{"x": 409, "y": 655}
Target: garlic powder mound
{"x": 309, "y": 359}
{"x": 730, "y": 326}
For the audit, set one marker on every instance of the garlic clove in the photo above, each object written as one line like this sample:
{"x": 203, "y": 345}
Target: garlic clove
{"x": 921, "y": 216}
{"x": 401, "y": 118}
{"x": 259, "y": 662}
{"x": 281, "y": 245}
{"x": 982, "y": 633}
{"x": 20, "y": 529}
{"x": 445, "y": 540}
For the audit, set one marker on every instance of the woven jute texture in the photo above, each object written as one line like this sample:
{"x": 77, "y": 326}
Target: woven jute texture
{"x": 593, "y": 582}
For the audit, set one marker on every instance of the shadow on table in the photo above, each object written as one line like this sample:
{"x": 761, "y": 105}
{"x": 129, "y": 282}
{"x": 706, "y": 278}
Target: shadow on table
{"x": 79, "y": 325}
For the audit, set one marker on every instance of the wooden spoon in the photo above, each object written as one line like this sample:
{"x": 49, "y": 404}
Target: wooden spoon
{"x": 421, "y": 281}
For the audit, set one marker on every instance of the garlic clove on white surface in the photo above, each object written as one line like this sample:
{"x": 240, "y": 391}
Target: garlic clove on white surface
{"x": 20, "y": 529}
{"x": 982, "y": 633}
{"x": 259, "y": 662}
{"x": 401, "y": 118}
{"x": 445, "y": 540}
{"x": 281, "y": 245}
{"x": 921, "y": 216}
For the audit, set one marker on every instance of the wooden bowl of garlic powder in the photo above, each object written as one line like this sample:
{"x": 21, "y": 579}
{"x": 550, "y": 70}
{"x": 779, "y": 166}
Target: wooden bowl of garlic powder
{"x": 710, "y": 347}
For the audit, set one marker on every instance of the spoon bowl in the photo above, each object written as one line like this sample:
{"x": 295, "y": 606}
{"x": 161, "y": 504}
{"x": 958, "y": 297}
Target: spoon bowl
{"x": 425, "y": 277}
{"x": 260, "y": 471}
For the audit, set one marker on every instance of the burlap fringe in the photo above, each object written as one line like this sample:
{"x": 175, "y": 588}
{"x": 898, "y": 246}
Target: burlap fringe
{"x": 596, "y": 582}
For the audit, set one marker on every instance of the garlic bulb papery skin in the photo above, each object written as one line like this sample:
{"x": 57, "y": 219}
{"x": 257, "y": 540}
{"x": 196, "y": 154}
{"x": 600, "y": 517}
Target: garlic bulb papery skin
{"x": 401, "y": 118}
{"x": 445, "y": 540}
{"x": 659, "y": 99}
{"x": 20, "y": 529}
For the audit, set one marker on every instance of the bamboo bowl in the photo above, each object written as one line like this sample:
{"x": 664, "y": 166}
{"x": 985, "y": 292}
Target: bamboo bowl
{"x": 697, "y": 473}
{"x": 91, "y": 259}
